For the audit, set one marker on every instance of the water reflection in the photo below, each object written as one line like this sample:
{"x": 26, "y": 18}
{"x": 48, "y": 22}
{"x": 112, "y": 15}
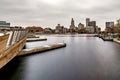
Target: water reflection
{"x": 84, "y": 58}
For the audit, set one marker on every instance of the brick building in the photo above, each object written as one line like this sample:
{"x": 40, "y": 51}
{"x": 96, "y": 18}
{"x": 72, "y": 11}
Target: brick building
{"x": 34, "y": 29}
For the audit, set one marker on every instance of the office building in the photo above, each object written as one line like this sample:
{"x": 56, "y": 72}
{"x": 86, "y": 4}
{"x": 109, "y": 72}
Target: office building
{"x": 4, "y": 24}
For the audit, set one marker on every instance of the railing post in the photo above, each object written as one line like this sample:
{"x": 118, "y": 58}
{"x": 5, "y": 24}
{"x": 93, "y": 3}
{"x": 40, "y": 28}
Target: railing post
{"x": 11, "y": 38}
{"x": 14, "y": 36}
{"x": 18, "y": 36}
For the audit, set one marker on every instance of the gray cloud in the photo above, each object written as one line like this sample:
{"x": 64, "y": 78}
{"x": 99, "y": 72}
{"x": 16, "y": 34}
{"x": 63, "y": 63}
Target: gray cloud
{"x": 49, "y": 14}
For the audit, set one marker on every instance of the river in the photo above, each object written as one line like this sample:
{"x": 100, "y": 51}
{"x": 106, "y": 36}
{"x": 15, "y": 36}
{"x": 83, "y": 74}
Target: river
{"x": 84, "y": 58}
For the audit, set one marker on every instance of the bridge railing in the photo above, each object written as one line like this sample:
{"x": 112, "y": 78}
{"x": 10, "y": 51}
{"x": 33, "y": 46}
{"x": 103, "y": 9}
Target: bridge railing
{"x": 16, "y": 35}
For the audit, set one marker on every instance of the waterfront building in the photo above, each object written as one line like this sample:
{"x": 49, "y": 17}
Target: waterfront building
{"x": 90, "y": 29}
{"x": 48, "y": 30}
{"x": 4, "y": 24}
{"x": 80, "y": 26}
{"x": 109, "y": 27}
{"x": 116, "y": 28}
{"x": 92, "y": 23}
{"x": 98, "y": 29}
{"x": 109, "y": 24}
{"x": 35, "y": 29}
{"x": 87, "y": 21}
{"x": 91, "y": 26}
{"x": 60, "y": 29}
{"x": 72, "y": 26}
{"x": 108, "y": 30}
{"x": 65, "y": 30}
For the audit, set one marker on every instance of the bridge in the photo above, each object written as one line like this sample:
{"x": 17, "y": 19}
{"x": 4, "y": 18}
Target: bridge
{"x": 11, "y": 45}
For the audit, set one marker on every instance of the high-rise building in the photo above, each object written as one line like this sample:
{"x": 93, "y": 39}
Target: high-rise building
{"x": 109, "y": 24}
{"x": 91, "y": 26}
{"x": 109, "y": 27}
{"x": 80, "y": 26}
{"x": 72, "y": 26}
{"x": 92, "y": 23}
{"x": 4, "y": 24}
{"x": 87, "y": 21}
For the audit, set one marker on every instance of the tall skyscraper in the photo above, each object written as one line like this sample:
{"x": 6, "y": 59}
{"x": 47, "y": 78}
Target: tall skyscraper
{"x": 72, "y": 26}
{"x": 87, "y": 21}
{"x": 91, "y": 26}
{"x": 109, "y": 24}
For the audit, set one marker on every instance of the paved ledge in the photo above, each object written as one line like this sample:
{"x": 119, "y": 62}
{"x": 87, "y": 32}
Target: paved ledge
{"x": 41, "y": 49}
{"x": 106, "y": 38}
{"x": 117, "y": 41}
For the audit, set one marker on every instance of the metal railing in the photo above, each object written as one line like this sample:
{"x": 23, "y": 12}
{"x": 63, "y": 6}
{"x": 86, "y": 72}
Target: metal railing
{"x": 16, "y": 35}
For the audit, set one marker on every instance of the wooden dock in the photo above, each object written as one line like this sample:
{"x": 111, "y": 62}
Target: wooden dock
{"x": 41, "y": 49}
{"x": 12, "y": 46}
{"x": 35, "y": 39}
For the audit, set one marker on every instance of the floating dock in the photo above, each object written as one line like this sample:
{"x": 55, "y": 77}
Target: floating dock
{"x": 41, "y": 49}
{"x": 35, "y": 39}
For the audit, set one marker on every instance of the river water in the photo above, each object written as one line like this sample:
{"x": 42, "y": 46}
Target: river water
{"x": 84, "y": 58}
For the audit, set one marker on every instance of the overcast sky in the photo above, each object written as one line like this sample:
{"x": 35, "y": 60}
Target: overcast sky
{"x": 48, "y": 13}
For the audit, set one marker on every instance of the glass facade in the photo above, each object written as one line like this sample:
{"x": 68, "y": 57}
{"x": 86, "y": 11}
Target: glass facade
{"x": 4, "y": 24}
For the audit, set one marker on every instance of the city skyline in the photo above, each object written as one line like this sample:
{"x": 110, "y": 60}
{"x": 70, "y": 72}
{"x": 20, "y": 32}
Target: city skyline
{"x": 49, "y": 13}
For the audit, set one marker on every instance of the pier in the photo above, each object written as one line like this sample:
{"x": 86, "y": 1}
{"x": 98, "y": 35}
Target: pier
{"x": 41, "y": 49}
{"x": 35, "y": 39}
{"x": 105, "y": 38}
{"x": 12, "y": 45}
